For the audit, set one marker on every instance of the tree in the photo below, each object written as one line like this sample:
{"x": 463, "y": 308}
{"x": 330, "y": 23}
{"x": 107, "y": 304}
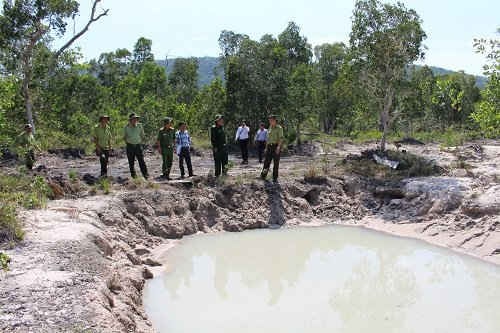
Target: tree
{"x": 385, "y": 39}
{"x": 302, "y": 97}
{"x": 25, "y": 24}
{"x": 454, "y": 98}
{"x": 210, "y": 101}
{"x": 487, "y": 114}
{"x": 142, "y": 53}
{"x": 298, "y": 50}
{"x": 329, "y": 61}
{"x": 415, "y": 101}
{"x": 184, "y": 79}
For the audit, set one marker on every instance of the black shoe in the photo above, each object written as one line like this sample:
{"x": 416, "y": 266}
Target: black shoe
{"x": 191, "y": 175}
{"x": 182, "y": 177}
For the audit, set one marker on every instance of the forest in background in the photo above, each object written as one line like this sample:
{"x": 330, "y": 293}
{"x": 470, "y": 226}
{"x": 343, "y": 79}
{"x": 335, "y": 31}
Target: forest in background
{"x": 365, "y": 89}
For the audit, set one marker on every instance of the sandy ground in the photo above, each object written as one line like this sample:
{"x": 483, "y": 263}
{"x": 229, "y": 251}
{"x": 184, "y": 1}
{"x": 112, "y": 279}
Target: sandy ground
{"x": 84, "y": 261}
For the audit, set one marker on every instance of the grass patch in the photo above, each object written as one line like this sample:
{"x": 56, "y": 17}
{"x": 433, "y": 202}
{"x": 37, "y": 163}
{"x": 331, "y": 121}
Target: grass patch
{"x": 73, "y": 176}
{"x": 105, "y": 185}
{"x": 4, "y": 261}
{"x": 449, "y": 138}
{"x": 16, "y": 192}
{"x": 201, "y": 142}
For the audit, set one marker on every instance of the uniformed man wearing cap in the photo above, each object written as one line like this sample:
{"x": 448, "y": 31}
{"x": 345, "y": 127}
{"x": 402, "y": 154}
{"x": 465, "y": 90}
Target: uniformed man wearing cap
{"x": 166, "y": 143}
{"x": 29, "y": 145}
{"x": 218, "y": 139}
{"x": 134, "y": 137}
{"x": 273, "y": 148}
{"x": 102, "y": 140}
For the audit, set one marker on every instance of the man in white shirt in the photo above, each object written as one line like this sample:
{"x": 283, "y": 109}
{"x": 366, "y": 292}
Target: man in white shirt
{"x": 261, "y": 140}
{"x": 242, "y": 137}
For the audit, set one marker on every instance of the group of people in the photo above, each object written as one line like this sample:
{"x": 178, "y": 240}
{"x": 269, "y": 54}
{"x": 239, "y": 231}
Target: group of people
{"x": 169, "y": 140}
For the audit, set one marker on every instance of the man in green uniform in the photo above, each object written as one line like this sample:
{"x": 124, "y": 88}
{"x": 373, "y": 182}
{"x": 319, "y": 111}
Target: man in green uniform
{"x": 218, "y": 138}
{"x": 134, "y": 136}
{"x": 29, "y": 145}
{"x": 166, "y": 143}
{"x": 273, "y": 148}
{"x": 102, "y": 140}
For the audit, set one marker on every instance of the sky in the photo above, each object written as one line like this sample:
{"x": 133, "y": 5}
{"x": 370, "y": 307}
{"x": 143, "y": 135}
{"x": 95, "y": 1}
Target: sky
{"x": 184, "y": 28}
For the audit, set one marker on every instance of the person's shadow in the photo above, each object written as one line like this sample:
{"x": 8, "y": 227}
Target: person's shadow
{"x": 275, "y": 201}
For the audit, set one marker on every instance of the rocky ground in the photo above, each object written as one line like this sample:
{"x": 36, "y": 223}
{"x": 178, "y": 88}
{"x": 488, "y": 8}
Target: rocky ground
{"x": 85, "y": 258}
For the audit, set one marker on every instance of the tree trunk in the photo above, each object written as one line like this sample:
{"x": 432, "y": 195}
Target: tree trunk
{"x": 298, "y": 134}
{"x": 385, "y": 116}
{"x": 28, "y": 103}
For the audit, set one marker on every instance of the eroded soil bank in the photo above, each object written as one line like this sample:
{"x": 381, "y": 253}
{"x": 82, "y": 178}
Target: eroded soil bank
{"x": 83, "y": 264}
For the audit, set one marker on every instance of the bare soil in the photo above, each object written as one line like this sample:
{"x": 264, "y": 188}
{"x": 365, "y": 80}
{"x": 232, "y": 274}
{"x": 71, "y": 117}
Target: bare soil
{"x": 85, "y": 258}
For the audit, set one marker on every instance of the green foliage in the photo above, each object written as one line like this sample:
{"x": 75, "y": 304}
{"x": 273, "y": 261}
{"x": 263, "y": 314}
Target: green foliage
{"x": 487, "y": 114}
{"x": 184, "y": 79}
{"x": 343, "y": 90}
{"x": 105, "y": 185}
{"x": 384, "y": 40}
{"x": 4, "y": 261}
{"x": 73, "y": 175}
{"x": 19, "y": 191}
{"x": 7, "y": 104}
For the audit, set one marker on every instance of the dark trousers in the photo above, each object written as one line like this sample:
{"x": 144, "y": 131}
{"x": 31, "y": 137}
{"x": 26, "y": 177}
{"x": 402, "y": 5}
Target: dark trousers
{"x": 221, "y": 160}
{"x": 244, "y": 149}
{"x": 271, "y": 155}
{"x": 261, "y": 146}
{"x": 185, "y": 155}
{"x": 133, "y": 152}
{"x": 104, "y": 160}
{"x": 167, "y": 155}
{"x": 30, "y": 159}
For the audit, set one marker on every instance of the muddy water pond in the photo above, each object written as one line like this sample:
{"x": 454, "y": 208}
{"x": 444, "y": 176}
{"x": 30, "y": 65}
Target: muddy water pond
{"x": 322, "y": 279}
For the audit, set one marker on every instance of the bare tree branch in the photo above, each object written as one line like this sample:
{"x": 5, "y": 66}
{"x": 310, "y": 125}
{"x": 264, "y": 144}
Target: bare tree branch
{"x": 93, "y": 18}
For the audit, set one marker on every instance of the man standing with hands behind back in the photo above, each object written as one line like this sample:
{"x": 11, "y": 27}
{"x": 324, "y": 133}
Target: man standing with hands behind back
{"x": 218, "y": 139}
{"x": 134, "y": 136}
{"x": 102, "y": 140}
{"x": 261, "y": 140}
{"x": 166, "y": 143}
{"x": 242, "y": 137}
{"x": 273, "y": 148}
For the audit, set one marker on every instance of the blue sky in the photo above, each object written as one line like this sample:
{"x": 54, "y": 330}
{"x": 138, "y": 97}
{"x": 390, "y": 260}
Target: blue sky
{"x": 192, "y": 27}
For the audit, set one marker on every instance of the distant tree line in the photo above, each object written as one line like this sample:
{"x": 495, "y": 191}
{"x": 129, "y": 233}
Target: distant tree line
{"x": 338, "y": 89}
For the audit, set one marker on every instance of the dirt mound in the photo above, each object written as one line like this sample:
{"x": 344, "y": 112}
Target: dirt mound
{"x": 391, "y": 164}
{"x": 67, "y": 153}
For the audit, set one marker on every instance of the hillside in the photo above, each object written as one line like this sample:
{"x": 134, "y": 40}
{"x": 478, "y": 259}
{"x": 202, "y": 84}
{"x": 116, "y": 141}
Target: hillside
{"x": 209, "y": 69}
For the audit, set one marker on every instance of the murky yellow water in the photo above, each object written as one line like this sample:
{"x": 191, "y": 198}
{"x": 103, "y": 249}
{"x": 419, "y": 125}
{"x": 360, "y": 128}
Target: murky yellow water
{"x": 328, "y": 279}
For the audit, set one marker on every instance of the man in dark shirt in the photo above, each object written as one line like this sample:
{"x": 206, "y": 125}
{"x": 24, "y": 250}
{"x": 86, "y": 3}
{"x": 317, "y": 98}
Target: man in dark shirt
{"x": 218, "y": 138}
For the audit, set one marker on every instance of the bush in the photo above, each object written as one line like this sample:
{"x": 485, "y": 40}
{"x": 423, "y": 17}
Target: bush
{"x": 15, "y": 192}
{"x": 4, "y": 261}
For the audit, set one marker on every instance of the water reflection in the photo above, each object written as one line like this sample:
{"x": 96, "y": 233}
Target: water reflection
{"x": 319, "y": 280}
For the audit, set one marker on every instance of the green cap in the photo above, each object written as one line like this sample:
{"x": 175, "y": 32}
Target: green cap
{"x": 272, "y": 116}
{"x": 133, "y": 116}
{"x": 167, "y": 120}
{"x": 103, "y": 116}
{"x": 219, "y": 117}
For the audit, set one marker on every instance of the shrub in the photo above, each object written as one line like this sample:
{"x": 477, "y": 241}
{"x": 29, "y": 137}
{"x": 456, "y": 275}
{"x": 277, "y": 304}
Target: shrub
{"x": 15, "y": 192}
{"x": 4, "y": 261}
